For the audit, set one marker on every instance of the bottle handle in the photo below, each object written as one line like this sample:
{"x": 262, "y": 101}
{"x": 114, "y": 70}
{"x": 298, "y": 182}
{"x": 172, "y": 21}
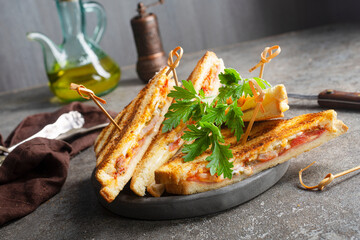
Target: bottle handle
{"x": 101, "y": 19}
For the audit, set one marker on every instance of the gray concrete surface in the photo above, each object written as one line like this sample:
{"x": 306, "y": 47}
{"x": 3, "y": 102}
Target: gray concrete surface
{"x": 310, "y": 61}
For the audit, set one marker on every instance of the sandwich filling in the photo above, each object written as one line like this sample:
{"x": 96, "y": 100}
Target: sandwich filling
{"x": 248, "y": 165}
{"x": 119, "y": 151}
{"x": 124, "y": 159}
{"x": 208, "y": 85}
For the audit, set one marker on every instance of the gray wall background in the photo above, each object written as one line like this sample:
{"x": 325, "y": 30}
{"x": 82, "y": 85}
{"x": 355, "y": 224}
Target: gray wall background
{"x": 192, "y": 24}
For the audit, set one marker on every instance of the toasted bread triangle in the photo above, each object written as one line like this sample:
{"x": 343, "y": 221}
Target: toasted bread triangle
{"x": 266, "y": 138}
{"x": 118, "y": 152}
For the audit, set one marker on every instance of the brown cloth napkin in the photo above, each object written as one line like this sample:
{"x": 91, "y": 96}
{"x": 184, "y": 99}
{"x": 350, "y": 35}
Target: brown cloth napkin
{"x": 36, "y": 170}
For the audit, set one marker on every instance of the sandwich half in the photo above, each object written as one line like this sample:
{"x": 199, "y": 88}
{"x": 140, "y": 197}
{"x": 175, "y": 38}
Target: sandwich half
{"x": 275, "y": 104}
{"x": 270, "y": 143}
{"x": 165, "y": 145}
{"x": 118, "y": 152}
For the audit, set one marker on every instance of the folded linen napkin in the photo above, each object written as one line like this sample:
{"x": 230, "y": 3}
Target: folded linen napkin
{"x": 36, "y": 170}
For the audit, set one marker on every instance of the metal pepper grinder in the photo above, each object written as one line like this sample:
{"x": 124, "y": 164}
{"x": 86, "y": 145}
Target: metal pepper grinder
{"x": 151, "y": 55}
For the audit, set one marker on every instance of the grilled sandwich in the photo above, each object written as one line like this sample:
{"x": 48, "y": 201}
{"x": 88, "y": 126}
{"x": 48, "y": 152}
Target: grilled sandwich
{"x": 275, "y": 104}
{"x": 270, "y": 143}
{"x": 118, "y": 152}
{"x": 165, "y": 145}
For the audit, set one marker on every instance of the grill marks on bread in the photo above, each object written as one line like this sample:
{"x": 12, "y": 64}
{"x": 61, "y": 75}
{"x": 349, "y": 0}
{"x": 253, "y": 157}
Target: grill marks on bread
{"x": 112, "y": 134}
{"x": 263, "y": 138}
{"x": 112, "y": 144}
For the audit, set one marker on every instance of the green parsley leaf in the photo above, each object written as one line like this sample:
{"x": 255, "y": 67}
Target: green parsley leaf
{"x": 194, "y": 133}
{"x": 219, "y": 160}
{"x": 234, "y": 121}
{"x": 246, "y": 90}
{"x": 181, "y": 93}
{"x": 262, "y": 83}
{"x": 171, "y": 122}
{"x": 196, "y": 148}
{"x": 225, "y": 93}
{"x": 198, "y": 111}
{"x": 230, "y": 76}
{"x": 215, "y": 114}
{"x": 205, "y": 134}
{"x": 181, "y": 110}
{"x": 238, "y": 91}
{"x": 202, "y": 94}
{"x": 188, "y": 85}
{"x": 188, "y": 105}
{"x": 208, "y": 118}
{"x": 215, "y": 131}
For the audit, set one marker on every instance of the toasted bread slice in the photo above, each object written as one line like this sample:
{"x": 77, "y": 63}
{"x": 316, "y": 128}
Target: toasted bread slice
{"x": 165, "y": 145}
{"x": 275, "y": 104}
{"x": 270, "y": 143}
{"x": 156, "y": 190}
{"x": 118, "y": 152}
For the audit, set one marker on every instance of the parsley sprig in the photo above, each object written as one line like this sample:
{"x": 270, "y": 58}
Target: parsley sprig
{"x": 207, "y": 115}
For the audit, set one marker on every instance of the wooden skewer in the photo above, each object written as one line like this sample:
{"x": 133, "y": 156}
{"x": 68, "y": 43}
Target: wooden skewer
{"x": 87, "y": 94}
{"x": 259, "y": 98}
{"x": 173, "y": 64}
{"x": 328, "y": 178}
{"x": 266, "y": 57}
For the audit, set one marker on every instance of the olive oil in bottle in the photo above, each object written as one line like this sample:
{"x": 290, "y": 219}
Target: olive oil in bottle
{"x": 79, "y": 58}
{"x": 101, "y": 77}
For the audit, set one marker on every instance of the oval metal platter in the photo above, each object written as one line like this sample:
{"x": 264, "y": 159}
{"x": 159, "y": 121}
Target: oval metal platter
{"x": 128, "y": 204}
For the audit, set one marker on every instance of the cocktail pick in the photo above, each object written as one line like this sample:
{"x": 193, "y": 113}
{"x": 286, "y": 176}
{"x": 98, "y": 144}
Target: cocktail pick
{"x": 259, "y": 96}
{"x": 328, "y": 178}
{"x": 266, "y": 57}
{"x": 87, "y": 94}
{"x": 173, "y": 64}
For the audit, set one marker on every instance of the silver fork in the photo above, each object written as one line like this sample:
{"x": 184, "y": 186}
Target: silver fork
{"x": 66, "y": 122}
{"x": 67, "y": 135}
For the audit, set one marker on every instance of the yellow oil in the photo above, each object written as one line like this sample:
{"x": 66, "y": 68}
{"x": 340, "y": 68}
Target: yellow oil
{"x": 101, "y": 78}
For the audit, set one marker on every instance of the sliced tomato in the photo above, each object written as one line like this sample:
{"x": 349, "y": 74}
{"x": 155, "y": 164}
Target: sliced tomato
{"x": 306, "y": 137}
{"x": 165, "y": 89}
{"x": 204, "y": 177}
{"x": 174, "y": 145}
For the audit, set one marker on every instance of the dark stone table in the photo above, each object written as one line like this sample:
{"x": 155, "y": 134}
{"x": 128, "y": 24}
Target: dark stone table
{"x": 310, "y": 61}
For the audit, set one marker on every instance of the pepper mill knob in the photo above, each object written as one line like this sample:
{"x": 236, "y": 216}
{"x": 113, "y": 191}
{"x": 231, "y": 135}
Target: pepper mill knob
{"x": 151, "y": 55}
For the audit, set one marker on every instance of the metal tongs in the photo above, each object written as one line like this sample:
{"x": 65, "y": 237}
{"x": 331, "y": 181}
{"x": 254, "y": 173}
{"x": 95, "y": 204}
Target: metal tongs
{"x": 66, "y": 126}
